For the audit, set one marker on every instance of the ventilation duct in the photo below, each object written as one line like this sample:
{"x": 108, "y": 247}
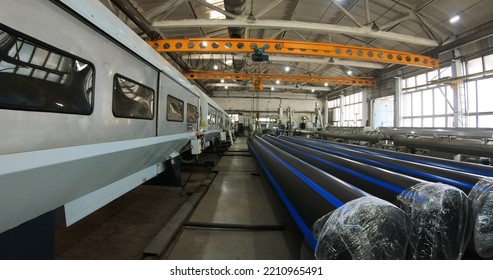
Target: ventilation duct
{"x": 236, "y": 7}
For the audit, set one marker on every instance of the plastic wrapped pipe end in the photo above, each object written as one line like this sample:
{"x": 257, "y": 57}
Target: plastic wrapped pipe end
{"x": 481, "y": 199}
{"x": 440, "y": 221}
{"x": 366, "y": 228}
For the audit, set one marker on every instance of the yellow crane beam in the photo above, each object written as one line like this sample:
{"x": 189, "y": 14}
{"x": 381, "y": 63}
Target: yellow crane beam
{"x": 228, "y": 45}
{"x": 216, "y": 75}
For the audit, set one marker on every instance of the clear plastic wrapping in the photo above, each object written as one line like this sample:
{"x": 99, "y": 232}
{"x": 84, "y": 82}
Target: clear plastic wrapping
{"x": 481, "y": 199}
{"x": 440, "y": 221}
{"x": 366, "y": 228}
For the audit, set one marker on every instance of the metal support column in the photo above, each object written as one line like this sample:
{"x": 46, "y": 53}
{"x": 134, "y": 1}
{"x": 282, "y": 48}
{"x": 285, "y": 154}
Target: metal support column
{"x": 458, "y": 91}
{"x": 341, "y": 111}
{"x": 326, "y": 112}
{"x": 364, "y": 108}
{"x": 398, "y": 100}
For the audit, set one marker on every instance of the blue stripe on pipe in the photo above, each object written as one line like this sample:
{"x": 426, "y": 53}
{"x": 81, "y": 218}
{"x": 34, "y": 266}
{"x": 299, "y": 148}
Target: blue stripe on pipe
{"x": 383, "y": 184}
{"x": 321, "y": 191}
{"x": 422, "y": 161}
{"x": 296, "y": 216}
{"x": 398, "y": 168}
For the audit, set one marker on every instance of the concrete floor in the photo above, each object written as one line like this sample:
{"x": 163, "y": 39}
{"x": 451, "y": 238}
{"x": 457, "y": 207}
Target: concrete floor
{"x": 235, "y": 219}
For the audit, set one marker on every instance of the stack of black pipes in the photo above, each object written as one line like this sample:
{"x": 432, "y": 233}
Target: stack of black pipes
{"x": 439, "y": 212}
{"x": 309, "y": 194}
{"x": 474, "y": 179}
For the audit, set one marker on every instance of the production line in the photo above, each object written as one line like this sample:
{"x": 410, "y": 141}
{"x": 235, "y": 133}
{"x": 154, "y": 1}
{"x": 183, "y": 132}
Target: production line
{"x": 439, "y": 212}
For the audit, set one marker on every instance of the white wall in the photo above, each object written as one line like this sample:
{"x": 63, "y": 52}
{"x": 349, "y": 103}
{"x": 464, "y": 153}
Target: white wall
{"x": 266, "y": 102}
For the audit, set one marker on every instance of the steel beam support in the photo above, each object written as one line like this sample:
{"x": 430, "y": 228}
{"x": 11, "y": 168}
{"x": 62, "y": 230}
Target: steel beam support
{"x": 228, "y": 45}
{"x": 212, "y": 75}
{"x": 364, "y": 31}
{"x": 398, "y": 102}
{"x": 215, "y": 8}
{"x": 458, "y": 90}
{"x": 328, "y": 61}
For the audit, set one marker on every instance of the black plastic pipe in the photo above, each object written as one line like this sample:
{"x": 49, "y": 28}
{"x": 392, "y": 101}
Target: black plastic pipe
{"x": 439, "y": 212}
{"x": 381, "y": 183}
{"x": 420, "y": 167}
{"x": 307, "y": 192}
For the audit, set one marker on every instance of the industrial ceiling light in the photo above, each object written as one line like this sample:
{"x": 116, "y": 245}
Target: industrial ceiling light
{"x": 374, "y": 27}
{"x": 225, "y": 87}
{"x": 222, "y": 81}
{"x": 251, "y": 18}
{"x": 349, "y": 72}
{"x": 272, "y": 88}
{"x": 313, "y": 90}
{"x": 287, "y": 68}
{"x": 326, "y": 84}
{"x": 278, "y": 82}
{"x": 454, "y": 19}
{"x": 215, "y": 67}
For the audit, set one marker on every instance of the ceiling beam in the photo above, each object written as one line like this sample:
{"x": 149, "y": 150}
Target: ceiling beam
{"x": 268, "y": 87}
{"x": 215, "y": 8}
{"x": 367, "y": 9}
{"x": 347, "y": 13}
{"x": 281, "y": 58}
{"x": 364, "y": 31}
{"x": 268, "y": 8}
{"x": 391, "y": 24}
{"x": 216, "y": 75}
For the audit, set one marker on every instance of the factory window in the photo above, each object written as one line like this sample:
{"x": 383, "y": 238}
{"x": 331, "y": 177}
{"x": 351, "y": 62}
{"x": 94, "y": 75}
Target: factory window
{"x": 429, "y": 105}
{"x": 175, "y": 109}
{"x": 475, "y": 66}
{"x": 211, "y": 115}
{"x": 132, "y": 99}
{"x": 488, "y": 62}
{"x": 191, "y": 113}
{"x": 334, "y": 112}
{"x": 38, "y": 77}
{"x": 433, "y": 104}
{"x": 352, "y": 109}
{"x": 234, "y": 117}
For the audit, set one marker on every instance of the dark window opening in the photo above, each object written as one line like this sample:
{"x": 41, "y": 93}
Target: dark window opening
{"x": 175, "y": 109}
{"x": 131, "y": 99}
{"x": 37, "y": 77}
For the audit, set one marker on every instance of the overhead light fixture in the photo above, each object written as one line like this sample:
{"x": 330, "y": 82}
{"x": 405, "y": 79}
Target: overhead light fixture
{"x": 278, "y": 82}
{"x": 313, "y": 90}
{"x": 287, "y": 68}
{"x": 374, "y": 27}
{"x": 251, "y": 18}
{"x": 454, "y": 19}
{"x": 349, "y": 72}
{"x": 222, "y": 81}
{"x": 326, "y": 84}
{"x": 272, "y": 88}
{"x": 215, "y": 67}
{"x": 226, "y": 87}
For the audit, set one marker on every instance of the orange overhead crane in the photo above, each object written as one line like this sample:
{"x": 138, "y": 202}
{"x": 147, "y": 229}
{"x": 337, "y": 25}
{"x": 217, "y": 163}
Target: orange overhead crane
{"x": 228, "y": 45}
{"x": 258, "y": 78}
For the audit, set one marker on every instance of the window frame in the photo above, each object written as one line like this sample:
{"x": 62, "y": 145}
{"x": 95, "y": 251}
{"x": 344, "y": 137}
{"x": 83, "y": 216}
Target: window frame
{"x": 167, "y": 109}
{"x": 52, "y": 49}
{"x": 115, "y": 80}
{"x": 194, "y": 115}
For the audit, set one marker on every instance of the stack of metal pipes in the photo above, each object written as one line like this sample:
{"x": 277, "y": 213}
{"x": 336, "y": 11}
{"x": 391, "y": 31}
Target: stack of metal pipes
{"x": 353, "y": 202}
